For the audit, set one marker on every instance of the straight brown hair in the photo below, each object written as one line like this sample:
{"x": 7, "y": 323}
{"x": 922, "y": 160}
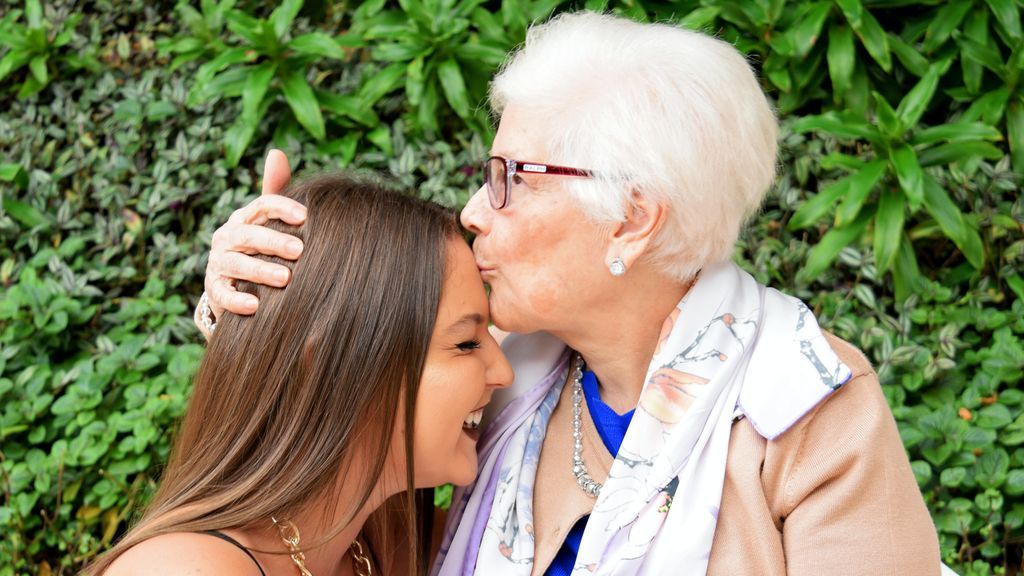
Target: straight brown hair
{"x": 305, "y": 394}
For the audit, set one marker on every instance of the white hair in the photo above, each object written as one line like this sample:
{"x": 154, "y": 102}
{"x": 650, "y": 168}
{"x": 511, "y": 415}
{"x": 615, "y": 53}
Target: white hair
{"x": 674, "y": 115}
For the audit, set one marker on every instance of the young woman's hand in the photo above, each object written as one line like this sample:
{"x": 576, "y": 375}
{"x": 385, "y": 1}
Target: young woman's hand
{"x": 243, "y": 235}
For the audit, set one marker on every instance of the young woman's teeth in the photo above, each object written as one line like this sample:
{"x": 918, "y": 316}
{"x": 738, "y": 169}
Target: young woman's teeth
{"x": 472, "y": 422}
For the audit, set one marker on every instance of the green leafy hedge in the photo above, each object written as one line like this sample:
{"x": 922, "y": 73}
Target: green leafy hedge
{"x": 128, "y": 134}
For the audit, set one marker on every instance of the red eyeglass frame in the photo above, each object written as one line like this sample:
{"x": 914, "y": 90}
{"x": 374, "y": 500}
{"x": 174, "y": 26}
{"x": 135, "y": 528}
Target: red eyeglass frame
{"x": 512, "y": 167}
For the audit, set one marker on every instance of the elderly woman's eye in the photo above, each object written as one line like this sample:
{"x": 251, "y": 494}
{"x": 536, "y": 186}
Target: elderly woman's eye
{"x": 517, "y": 179}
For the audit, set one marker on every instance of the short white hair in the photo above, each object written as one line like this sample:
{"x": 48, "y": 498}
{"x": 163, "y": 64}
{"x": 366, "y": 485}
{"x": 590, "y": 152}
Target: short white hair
{"x": 675, "y": 115}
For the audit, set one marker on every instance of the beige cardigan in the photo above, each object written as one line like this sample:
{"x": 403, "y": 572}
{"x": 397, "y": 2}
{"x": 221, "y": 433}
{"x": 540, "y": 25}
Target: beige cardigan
{"x": 834, "y": 495}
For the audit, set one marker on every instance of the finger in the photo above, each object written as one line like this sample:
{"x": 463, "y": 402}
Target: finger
{"x": 238, "y": 266}
{"x": 251, "y": 239}
{"x": 223, "y": 296}
{"x": 265, "y": 208}
{"x": 276, "y": 172}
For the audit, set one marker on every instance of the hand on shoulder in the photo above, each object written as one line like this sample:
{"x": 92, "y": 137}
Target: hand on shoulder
{"x": 183, "y": 553}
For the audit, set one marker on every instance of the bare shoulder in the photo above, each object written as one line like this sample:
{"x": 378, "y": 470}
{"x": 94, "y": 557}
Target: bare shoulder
{"x": 181, "y": 554}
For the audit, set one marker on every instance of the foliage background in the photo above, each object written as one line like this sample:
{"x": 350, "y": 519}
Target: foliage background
{"x": 130, "y": 130}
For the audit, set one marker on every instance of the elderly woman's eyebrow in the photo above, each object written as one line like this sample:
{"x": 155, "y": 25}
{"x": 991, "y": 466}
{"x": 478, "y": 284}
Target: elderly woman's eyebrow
{"x": 469, "y": 319}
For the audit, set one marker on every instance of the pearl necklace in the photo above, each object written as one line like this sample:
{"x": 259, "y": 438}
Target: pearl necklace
{"x": 579, "y": 469}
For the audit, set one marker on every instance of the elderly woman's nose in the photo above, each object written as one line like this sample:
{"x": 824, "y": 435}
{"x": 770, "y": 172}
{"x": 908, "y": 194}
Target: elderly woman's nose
{"x": 475, "y": 215}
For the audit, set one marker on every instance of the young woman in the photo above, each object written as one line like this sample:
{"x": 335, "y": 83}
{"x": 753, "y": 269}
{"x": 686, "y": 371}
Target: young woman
{"x": 364, "y": 379}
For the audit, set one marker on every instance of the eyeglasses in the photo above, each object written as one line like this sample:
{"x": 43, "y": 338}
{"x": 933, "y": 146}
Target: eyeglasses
{"x": 498, "y": 173}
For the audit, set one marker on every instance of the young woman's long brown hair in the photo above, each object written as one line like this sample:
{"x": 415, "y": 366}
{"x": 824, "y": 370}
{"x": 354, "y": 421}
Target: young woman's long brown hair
{"x": 306, "y": 393}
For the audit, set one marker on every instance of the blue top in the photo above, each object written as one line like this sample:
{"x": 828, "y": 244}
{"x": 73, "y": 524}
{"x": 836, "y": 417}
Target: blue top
{"x": 612, "y": 428}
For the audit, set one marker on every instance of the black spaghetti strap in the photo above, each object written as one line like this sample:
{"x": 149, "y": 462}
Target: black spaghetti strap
{"x": 230, "y": 540}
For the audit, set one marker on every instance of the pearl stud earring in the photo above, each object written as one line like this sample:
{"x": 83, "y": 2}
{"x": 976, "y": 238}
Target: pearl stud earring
{"x": 617, "y": 267}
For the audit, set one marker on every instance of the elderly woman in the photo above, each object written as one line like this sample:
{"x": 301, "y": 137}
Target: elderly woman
{"x": 669, "y": 414}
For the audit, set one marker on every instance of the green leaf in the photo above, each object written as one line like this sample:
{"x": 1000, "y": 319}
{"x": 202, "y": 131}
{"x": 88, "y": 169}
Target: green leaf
{"x": 24, "y": 213}
{"x": 1015, "y": 483}
{"x": 381, "y": 83}
{"x": 207, "y": 71}
{"x": 953, "y": 477}
{"x": 426, "y": 114}
{"x": 342, "y": 150}
{"x": 1015, "y": 133}
{"x": 910, "y": 58}
{"x": 33, "y": 14}
{"x": 841, "y": 125}
{"x": 987, "y": 56}
{"x": 699, "y": 18}
{"x": 255, "y": 90}
{"x": 888, "y": 228}
{"x": 417, "y": 11}
{"x": 943, "y": 24}
{"x": 888, "y": 122}
{"x": 909, "y": 173}
{"x": 1008, "y": 16}
{"x": 989, "y": 108}
{"x": 381, "y": 138}
{"x": 29, "y": 87}
{"x": 236, "y": 140}
{"x": 317, "y": 44}
{"x": 958, "y": 152}
{"x": 454, "y": 87}
{"x": 13, "y": 61}
{"x": 38, "y": 68}
{"x": 992, "y": 468}
{"x": 994, "y": 417}
{"x": 13, "y": 173}
{"x": 956, "y": 132}
{"x": 922, "y": 472}
{"x": 400, "y": 51}
{"x": 828, "y": 248}
{"x": 414, "y": 81}
{"x": 844, "y": 161}
{"x": 939, "y": 205}
{"x": 282, "y": 17}
{"x": 841, "y": 55}
{"x": 817, "y": 206}
{"x": 246, "y": 27}
{"x": 479, "y": 53}
{"x": 349, "y": 106}
{"x": 871, "y": 35}
{"x": 302, "y": 100}
{"x": 775, "y": 67}
{"x": 1015, "y": 65}
{"x": 805, "y": 33}
{"x": 861, "y": 185}
{"x": 913, "y": 105}
{"x": 906, "y": 277}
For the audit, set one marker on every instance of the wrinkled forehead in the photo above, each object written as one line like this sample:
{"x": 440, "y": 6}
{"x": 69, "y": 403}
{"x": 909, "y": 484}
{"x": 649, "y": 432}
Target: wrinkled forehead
{"x": 520, "y": 137}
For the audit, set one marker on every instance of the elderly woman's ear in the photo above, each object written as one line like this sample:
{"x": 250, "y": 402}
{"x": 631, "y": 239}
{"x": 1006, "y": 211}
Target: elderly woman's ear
{"x": 631, "y": 238}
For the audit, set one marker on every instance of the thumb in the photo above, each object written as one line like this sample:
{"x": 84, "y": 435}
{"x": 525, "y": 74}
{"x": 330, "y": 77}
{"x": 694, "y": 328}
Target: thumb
{"x": 276, "y": 172}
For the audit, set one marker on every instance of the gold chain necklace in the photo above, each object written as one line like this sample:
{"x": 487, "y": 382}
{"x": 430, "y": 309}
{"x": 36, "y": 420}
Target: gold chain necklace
{"x": 289, "y": 533}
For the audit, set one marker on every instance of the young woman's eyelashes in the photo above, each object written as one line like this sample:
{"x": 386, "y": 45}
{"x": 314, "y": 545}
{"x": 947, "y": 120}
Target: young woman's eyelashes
{"x": 468, "y": 345}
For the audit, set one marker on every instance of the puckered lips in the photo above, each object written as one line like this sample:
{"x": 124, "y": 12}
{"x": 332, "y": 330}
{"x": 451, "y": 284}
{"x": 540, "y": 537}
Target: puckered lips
{"x": 670, "y": 393}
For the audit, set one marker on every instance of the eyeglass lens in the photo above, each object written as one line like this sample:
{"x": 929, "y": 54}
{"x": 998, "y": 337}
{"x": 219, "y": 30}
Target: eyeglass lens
{"x": 494, "y": 175}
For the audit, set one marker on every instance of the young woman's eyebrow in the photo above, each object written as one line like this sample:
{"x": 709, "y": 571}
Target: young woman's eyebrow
{"x": 470, "y": 319}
